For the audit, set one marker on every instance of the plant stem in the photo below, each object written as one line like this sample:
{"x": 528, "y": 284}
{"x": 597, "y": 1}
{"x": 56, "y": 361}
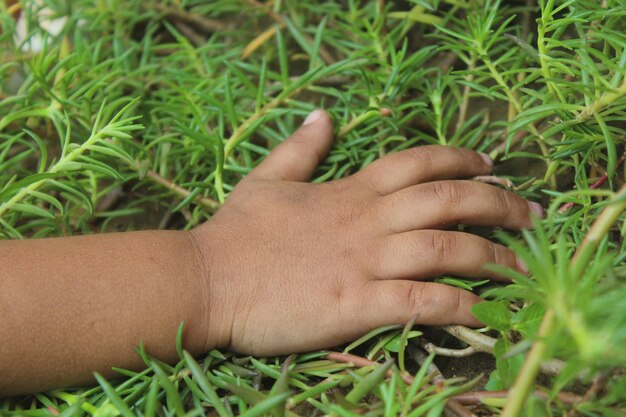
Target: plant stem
{"x": 450, "y": 353}
{"x": 579, "y": 262}
{"x": 604, "y": 100}
{"x": 209, "y": 25}
{"x": 466, "y": 93}
{"x": 543, "y": 56}
{"x": 478, "y": 341}
{"x": 361, "y": 362}
{"x": 235, "y": 138}
{"x": 526, "y": 378}
{"x": 276, "y": 17}
{"x": 56, "y": 168}
{"x": 181, "y": 191}
{"x": 477, "y": 397}
{"x": 363, "y": 117}
{"x": 598, "y": 231}
{"x": 518, "y": 108}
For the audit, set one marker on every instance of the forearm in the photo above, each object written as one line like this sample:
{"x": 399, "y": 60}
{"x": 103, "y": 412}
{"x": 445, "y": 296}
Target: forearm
{"x": 72, "y": 306}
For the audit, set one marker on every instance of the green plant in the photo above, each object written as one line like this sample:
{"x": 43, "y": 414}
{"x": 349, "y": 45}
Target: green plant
{"x": 145, "y": 114}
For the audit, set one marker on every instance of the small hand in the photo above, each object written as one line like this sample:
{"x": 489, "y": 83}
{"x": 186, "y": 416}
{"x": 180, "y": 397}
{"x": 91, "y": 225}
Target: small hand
{"x": 294, "y": 266}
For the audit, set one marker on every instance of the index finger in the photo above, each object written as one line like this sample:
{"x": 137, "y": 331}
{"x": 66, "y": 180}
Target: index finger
{"x": 423, "y": 164}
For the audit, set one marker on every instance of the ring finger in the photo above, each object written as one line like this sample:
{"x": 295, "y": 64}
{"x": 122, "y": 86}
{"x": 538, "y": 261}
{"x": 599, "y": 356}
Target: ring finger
{"x": 423, "y": 254}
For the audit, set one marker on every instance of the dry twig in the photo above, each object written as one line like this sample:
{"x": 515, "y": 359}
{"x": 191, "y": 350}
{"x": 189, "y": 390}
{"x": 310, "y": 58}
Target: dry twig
{"x": 479, "y": 342}
{"x": 477, "y": 397}
{"x": 267, "y": 34}
{"x": 208, "y": 25}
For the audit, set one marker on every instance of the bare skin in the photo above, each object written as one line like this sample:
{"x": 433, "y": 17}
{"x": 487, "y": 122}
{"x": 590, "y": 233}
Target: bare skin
{"x": 284, "y": 266}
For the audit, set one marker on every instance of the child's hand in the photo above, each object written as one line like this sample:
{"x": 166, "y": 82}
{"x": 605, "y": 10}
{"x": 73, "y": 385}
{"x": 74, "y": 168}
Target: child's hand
{"x": 294, "y": 266}
{"x": 284, "y": 266}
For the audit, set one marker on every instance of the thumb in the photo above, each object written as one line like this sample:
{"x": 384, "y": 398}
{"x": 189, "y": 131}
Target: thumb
{"x": 296, "y": 158}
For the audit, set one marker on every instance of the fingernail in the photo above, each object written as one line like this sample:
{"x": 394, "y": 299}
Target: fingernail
{"x": 313, "y": 116}
{"x": 521, "y": 265}
{"x": 536, "y": 208}
{"x": 486, "y": 158}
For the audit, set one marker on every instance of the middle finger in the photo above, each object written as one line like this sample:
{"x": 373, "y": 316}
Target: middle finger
{"x": 441, "y": 204}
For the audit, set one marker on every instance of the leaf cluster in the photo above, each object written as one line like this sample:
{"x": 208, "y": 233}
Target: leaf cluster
{"x": 144, "y": 114}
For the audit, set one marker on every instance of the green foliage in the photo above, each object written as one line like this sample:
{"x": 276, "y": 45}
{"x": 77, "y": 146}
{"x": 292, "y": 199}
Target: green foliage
{"x": 146, "y": 114}
{"x": 494, "y": 314}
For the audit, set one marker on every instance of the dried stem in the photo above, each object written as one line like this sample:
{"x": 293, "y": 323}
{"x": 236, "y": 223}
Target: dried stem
{"x": 209, "y": 25}
{"x": 193, "y": 36}
{"x": 108, "y": 201}
{"x": 492, "y": 179}
{"x": 477, "y": 397}
{"x": 478, "y": 341}
{"x": 450, "y": 353}
{"x": 252, "y": 46}
{"x": 361, "y": 362}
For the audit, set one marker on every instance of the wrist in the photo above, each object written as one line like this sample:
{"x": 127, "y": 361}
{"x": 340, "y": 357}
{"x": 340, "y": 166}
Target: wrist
{"x": 212, "y": 315}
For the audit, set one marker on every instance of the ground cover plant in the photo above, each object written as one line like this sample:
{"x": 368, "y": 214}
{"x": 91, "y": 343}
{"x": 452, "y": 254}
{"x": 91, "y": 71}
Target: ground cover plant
{"x": 145, "y": 114}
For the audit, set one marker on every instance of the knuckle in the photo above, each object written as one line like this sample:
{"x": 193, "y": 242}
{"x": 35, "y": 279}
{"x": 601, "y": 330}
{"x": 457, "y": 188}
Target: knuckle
{"x": 414, "y": 299}
{"x": 435, "y": 152}
{"x": 298, "y": 143}
{"x": 446, "y": 192}
{"x": 464, "y": 154}
{"x": 455, "y": 301}
{"x": 359, "y": 181}
{"x": 504, "y": 256}
{"x": 495, "y": 254}
{"x": 441, "y": 246}
{"x": 504, "y": 200}
{"x": 466, "y": 157}
{"x": 425, "y": 155}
